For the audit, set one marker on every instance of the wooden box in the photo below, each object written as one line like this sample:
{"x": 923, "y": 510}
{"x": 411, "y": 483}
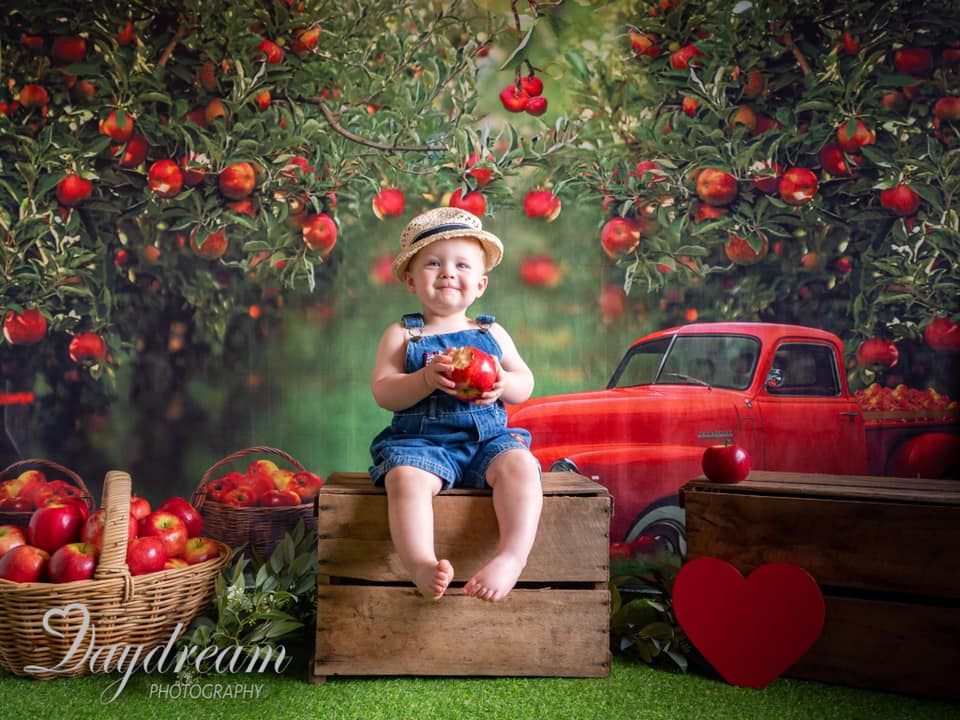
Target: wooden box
{"x": 884, "y": 551}
{"x": 372, "y": 621}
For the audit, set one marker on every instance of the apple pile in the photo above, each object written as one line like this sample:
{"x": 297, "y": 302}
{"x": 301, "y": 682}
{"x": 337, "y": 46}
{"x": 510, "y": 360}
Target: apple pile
{"x": 877, "y": 398}
{"x": 264, "y": 485}
{"x": 62, "y": 541}
{"x": 32, "y": 489}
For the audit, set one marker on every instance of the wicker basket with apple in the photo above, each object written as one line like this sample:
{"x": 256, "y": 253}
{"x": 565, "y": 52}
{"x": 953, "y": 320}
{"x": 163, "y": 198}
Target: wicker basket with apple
{"x": 28, "y": 484}
{"x": 71, "y": 627}
{"x": 254, "y": 507}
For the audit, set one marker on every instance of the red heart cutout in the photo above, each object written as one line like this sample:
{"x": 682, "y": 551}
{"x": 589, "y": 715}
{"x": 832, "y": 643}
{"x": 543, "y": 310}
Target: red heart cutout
{"x": 749, "y": 630}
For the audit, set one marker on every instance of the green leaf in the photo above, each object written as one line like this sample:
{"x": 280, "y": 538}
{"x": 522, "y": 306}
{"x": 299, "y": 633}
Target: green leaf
{"x": 516, "y": 56}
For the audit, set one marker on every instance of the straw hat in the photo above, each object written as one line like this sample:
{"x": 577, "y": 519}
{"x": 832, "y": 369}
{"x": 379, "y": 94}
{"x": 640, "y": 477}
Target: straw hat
{"x": 444, "y": 223}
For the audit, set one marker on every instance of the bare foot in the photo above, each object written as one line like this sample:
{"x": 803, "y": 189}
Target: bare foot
{"x": 495, "y": 579}
{"x": 432, "y": 579}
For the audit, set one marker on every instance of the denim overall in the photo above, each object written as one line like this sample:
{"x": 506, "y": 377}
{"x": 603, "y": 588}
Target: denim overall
{"x": 448, "y": 437}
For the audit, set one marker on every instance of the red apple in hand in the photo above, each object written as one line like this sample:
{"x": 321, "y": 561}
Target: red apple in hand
{"x": 11, "y": 536}
{"x": 146, "y": 555}
{"x": 54, "y": 525}
{"x": 24, "y": 563}
{"x": 92, "y": 532}
{"x": 474, "y": 371}
{"x": 166, "y": 526}
{"x": 73, "y": 561}
{"x": 726, "y": 463}
{"x": 200, "y": 549}
{"x": 185, "y": 511}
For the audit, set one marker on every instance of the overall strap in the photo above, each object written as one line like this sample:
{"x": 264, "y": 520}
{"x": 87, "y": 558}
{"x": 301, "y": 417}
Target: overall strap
{"x": 485, "y": 321}
{"x": 413, "y": 323}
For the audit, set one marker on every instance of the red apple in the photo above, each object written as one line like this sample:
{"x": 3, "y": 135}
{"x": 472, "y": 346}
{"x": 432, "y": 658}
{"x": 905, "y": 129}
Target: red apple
{"x": 307, "y": 485}
{"x": 78, "y": 502}
{"x": 942, "y": 334}
{"x": 87, "y": 347}
{"x": 854, "y": 134}
{"x": 176, "y": 563}
{"x": 540, "y": 271}
{"x": 210, "y": 245}
{"x": 24, "y": 328}
{"x": 913, "y": 61}
{"x": 716, "y": 187}
{"x": 139, "y": 507}
{"x": 513, "y": 98}
{"x": 877, "y": 354}
{"x": 165, "y": 178}
{"x": 185, "y": 511}
{"x": 280, "y": 498}
{"x": 92, "y": 531}
{"x": 236, "y": 181}
{"x": 270, "y": 51}
{"x": 200, "y": 549}
{"x": 901, "y": 200}
{"x": 240, "y": 497}
{"x": 619, "y": 236}
{"x": 798, "y": 186}
{"x": 34, "y": 96}
{"x": 320, "y": 233}
{"x": 16, "y": 504}
{"x": 483, "y": 175}
{"x": 166, "y": 526}
{"x": 146, "y": 555}
{"x": 194, "y": 168}
{"x": 72, "y": 562}
{"x": 541, "y": 203}
{"x": 73, "y": 190}
{"x": 726, "y": 463}
{"x": 644, "y": 43}
{"x": 388, "y": 202}
{"x": 24, "y": 563}
{"x": 739, "y": 250}
{"x": 536, "y": 106}
{"x": 52, "y": 526}
{"x": 67, "y": 49}
{"x": 119, "y": 127}
{"x": 10, "y": 537}
{"x": 133, "y": 152}
{"x": 947, "y": 108}
{"x": 220, "y": 486}
{"x": 832, "y": 159}
{"x": 766, "y": 177}
{"x": 473, "y": 201}
{"x": 474, "y": 371}
{"x": 532, "y": 85}
{"x": 681, "y": 59}
{"x": 281, "y": 480}
{"x": 262, "y": 466}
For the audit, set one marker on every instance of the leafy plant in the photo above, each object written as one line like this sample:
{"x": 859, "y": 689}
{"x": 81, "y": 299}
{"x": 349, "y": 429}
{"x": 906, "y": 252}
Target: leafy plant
{"x": 261, "y": 604}
{"x": 642, "y": 623}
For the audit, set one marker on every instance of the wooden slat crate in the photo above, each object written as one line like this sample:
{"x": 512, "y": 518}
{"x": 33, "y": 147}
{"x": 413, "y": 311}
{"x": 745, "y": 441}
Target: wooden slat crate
{"x": 884, "y": 551}
{"x": 372, "y": 621}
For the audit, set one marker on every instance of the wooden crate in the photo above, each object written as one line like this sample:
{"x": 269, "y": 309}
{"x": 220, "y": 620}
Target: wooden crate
{"x": 884, "y": 551}
{"x": 372, "y": 621}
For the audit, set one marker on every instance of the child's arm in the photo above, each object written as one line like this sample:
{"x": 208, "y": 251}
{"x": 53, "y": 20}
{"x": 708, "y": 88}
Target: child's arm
{"x": 516, "y": 379}
{"x": 395, "y": 389}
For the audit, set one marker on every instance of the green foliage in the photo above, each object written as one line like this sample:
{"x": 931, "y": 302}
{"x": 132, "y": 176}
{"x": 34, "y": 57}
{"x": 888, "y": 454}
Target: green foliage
{"x": 263, "y": 604}
{"x": 806, "y": 87}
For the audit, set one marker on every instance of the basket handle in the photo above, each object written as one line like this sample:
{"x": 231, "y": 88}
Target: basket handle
{"x": 200, "y": 494}
{"x": 77, "y": 480}
{"x": 113, "y": 551}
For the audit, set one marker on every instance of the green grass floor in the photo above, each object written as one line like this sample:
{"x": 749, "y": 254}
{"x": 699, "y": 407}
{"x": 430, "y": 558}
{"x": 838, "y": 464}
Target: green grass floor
{"x": 632, "y": 692}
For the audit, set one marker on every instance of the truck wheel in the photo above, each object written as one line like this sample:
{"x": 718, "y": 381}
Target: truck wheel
{"x": 664, "y": 521}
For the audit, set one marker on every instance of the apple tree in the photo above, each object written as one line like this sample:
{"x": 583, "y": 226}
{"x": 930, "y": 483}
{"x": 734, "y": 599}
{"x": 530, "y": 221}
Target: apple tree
{"x": 172, "y": 171}
{"x": 781, "y": 161}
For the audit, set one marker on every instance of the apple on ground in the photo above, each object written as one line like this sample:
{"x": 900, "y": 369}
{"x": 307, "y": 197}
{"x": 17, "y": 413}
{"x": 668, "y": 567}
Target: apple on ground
{"x": 200, "y": 549}
{"x": 11, "y": 536}
{"x": 474, "y": 372}
{"x": 146, "y": 555}
{"x": 92, "y": 531}
{"x": 185, "y": 511}
{"x": 53, "y": 526}
{"x": 24, "y": 563}
{"x": 72, "y": 562}
{"x": 166, "y": 526}
{"x": 280, "y": 498}
{"x": 726, "y": 463}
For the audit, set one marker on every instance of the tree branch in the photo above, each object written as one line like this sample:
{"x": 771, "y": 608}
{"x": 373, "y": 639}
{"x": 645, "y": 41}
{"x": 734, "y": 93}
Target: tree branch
{"x": 334, "y": 122}
{"x": 800, "y": 57}
{"x": 174, "y": 41}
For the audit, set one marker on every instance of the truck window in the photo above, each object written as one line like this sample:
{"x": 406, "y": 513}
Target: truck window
{"x": 726, "y": 361}
{"x": 804, "y": 369}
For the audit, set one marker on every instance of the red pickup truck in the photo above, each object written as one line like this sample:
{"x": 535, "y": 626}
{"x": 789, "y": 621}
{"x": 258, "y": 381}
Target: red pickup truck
{"x": 779, "y": 391}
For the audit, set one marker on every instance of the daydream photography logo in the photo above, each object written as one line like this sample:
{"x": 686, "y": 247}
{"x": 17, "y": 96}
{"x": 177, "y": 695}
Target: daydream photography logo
{"x": 128, "y": 658}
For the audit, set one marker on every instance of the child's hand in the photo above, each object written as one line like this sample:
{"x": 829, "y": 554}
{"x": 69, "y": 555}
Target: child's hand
{"x": 435, "y": 374}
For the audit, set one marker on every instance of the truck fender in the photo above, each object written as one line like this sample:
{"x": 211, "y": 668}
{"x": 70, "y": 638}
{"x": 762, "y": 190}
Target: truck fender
{"x": 931, "y": 455}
